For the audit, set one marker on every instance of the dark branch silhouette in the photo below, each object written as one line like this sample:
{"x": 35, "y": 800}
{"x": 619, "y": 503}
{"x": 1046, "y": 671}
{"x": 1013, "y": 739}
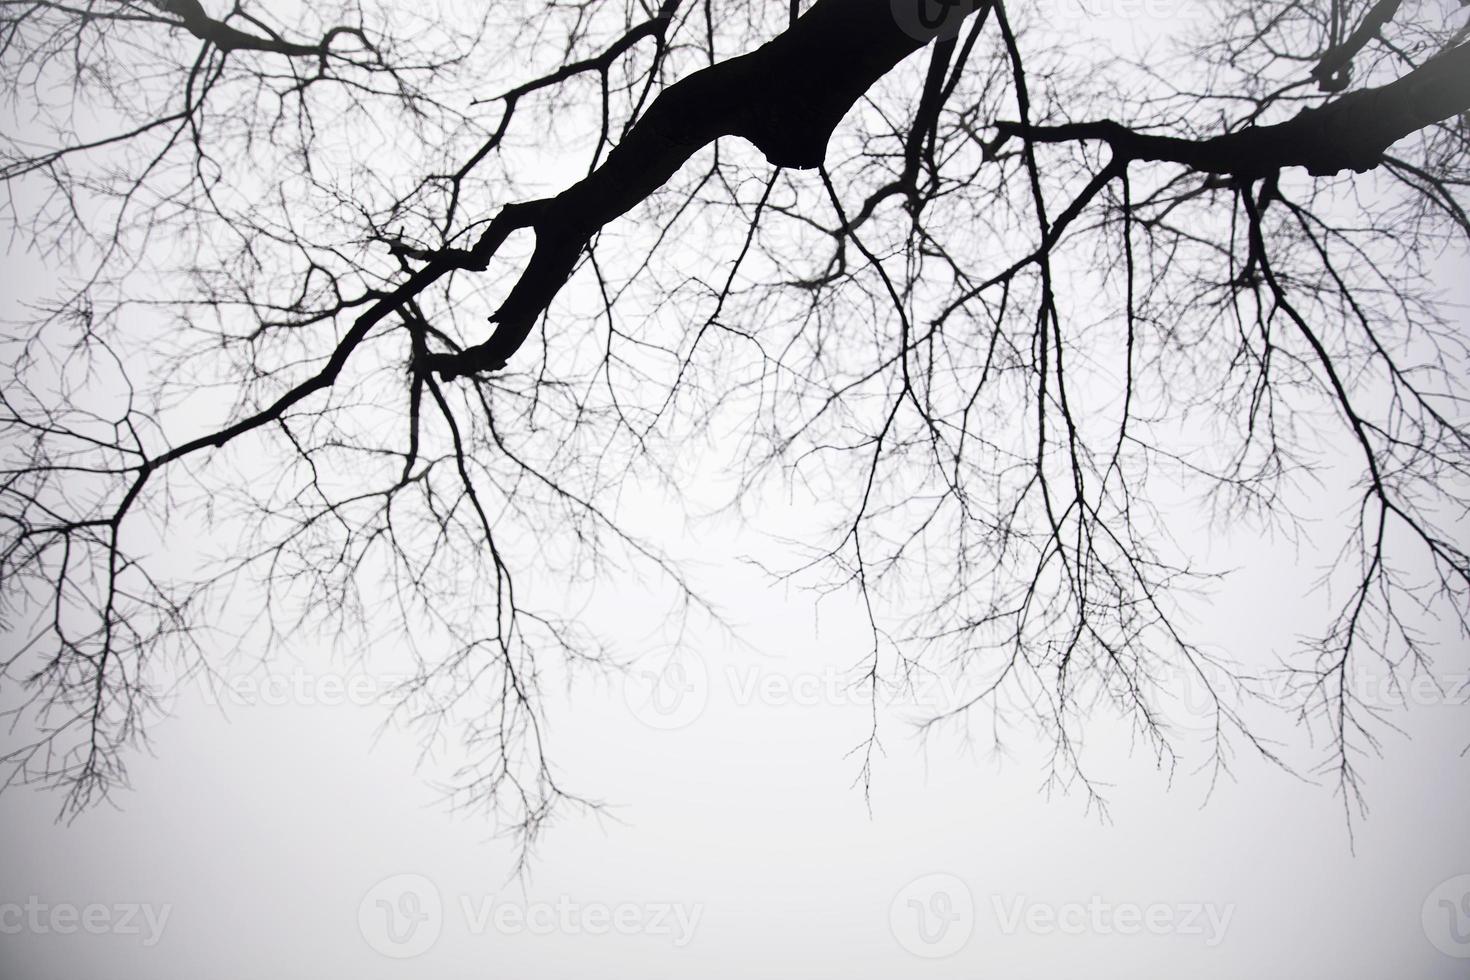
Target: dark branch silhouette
{"x": 987, "y": 294}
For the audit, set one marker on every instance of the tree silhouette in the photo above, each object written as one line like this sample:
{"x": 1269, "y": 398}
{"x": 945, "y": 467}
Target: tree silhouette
{"x": 986, "y": 288}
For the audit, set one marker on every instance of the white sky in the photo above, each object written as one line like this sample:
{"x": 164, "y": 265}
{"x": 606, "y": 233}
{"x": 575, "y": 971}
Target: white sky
{"x": 263, "y": 832}
{"x": 264, "y": 827}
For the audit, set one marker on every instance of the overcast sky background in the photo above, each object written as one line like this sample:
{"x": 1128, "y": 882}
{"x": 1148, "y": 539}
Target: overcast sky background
{"x": 273, "y": 817}
{"x": 264, "y": 828}
{"x": 270, "y": 812}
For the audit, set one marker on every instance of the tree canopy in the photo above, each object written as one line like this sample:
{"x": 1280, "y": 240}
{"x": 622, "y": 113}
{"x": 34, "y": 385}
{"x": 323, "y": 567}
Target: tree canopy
{"x": 367, "y": 317}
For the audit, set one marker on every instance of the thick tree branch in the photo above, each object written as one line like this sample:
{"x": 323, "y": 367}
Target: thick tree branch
{"x": 786, "y": 97}
{"x": 1336, "y": 67}
{"x": 1349, "y": 133}
{"x": 227, "y": 38}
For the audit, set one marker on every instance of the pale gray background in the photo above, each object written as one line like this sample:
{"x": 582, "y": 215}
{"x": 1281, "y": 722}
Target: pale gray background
{"x": 263, "y": 827}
